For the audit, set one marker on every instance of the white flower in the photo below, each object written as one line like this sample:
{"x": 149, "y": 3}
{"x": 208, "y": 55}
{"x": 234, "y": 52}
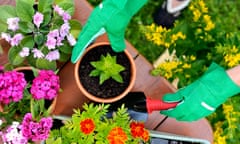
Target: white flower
{"x": 13, "y": 23}
{"x": 71, "y": 40}
{"x": 24, "y": 52}
{"x": 37, "y": 53}
{"x": 53, "y": 55}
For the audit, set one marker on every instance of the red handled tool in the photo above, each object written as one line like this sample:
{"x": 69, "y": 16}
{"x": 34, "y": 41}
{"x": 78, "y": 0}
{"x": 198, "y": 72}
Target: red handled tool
{"x": 150, "y": 105}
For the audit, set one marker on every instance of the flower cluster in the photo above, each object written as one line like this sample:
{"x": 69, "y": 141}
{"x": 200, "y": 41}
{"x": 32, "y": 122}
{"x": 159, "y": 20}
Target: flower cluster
{"x": 194, "y": 42}
{"x": 45, "y": 85}
{"x": 40, "y": 33}
{"x": 12, "y": 85}
{"x": 95, "y": 125}
{"x": 36, "y": 131}
{"x": 13, "y": 134}
{"x": 27, "y": 105}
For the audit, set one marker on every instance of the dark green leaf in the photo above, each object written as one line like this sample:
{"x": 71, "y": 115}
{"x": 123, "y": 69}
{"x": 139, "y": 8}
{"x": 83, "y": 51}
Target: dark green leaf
{"x": 64, "y": 57}
{"x": 66, "y": 48}
{"x": 39, "y": 39}
{"x": 28, "y": 41}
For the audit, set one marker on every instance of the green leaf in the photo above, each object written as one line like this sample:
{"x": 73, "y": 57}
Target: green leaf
{"x": 64, "y": 57}
{"x": 14, "y": 57}
{"x": 66, "y": 5}
{"x": 103, "y": 77}
{"x": 118, "y": 78}
{"x": 26, "y": 27}
{"x": 75, "y": 27}
{"x": 28, "y": 41}
{"x": 66, "y": 48}
{"x": 45, "y": 64}
{"x": 39, "y": 39}
{"x": 45, "y": 5}
{"x": 24, "y": 9}
{"x": 95, "y": 73}
{"x": 6, "y": 12}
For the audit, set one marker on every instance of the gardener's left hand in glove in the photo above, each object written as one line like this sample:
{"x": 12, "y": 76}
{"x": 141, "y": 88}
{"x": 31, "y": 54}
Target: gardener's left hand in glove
{"x": 112, "y": 17}
{"x": 202, "y": 97}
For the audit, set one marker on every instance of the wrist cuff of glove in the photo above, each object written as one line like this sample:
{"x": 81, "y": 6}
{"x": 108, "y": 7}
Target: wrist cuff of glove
{"x": 219, "y": 83}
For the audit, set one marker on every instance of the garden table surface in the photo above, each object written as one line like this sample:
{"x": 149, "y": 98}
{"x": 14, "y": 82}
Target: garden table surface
{"x": 152, "y": 86}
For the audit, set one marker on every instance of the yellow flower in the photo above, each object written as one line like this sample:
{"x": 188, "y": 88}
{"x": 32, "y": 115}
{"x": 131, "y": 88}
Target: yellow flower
{"x": 218, "y": 134}
{"x": 209, "y": 24}
{"x": 196, "y": 15}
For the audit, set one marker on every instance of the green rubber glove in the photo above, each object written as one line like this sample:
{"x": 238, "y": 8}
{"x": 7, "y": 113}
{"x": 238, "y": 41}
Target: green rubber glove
{"x": 203, "y": 96}
{"x": 112, "y": 17}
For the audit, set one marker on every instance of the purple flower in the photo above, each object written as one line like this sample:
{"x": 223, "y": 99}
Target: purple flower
{"x": 13, "y": 23}
{"x": 66, "y": 17}
{"x": 53, "y": 55}
{"x": 58, "y": 10}
{"x": 12, "y": 85}
{"x": 37, "y": 53}
{"x": 13, "y": 135}
{"x": 64, "y": 30}
{"x": 36, "y": 131}
{"x": 45, "y": 85}
{"x": 51, "y": 43}
{"x": 38, "y": 19}
{"x": 6, "y": 36}
{"x": 24, "y": 52}
{"x": 16, "y": 39}
{"x": 71, "y": 40}
{"x": 53, "y": 33}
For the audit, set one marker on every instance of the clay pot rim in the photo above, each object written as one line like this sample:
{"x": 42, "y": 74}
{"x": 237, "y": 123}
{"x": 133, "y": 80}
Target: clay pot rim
{"x": 106, "y": 100}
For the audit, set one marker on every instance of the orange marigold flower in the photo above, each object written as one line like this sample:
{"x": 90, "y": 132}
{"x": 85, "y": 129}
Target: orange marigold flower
{"x": 137, "y": 129}
{"x": 87, "y": 126}
{"x": 117, "y": 136}
{"x": 145, "y": 135}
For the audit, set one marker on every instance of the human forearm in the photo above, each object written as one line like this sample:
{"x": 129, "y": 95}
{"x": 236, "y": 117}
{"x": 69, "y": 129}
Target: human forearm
{"x": 234, "y": 74}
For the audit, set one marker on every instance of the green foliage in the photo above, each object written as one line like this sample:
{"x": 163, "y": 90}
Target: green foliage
{"x": 106, "y": 68}
{"x": 34, "y": 37}
{"x": 71, "y": 131}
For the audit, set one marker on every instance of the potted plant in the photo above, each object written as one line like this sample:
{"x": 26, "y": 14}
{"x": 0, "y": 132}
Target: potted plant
{"x": 92, "y": 125}
{"x": 40, "y": 33}
{"x": 25, "y": 114}
{"x": 103, "y": 75}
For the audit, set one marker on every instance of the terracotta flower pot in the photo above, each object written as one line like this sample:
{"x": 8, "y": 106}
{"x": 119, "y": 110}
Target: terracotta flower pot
{"x": 110, "y": 91}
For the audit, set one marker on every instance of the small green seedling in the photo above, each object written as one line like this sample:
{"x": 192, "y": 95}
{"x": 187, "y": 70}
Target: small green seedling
{"x": 106, "y": 68}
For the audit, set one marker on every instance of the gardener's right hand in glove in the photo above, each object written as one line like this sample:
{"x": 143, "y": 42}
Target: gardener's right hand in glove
{"x": 203, "y": 96}
{"x": 112, "y": 17}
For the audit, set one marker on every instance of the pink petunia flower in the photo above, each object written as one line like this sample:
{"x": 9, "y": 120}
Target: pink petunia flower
{"x": 71, "y": 40}
{"x": 53, "y": 55}
{"x": 6, "y": 36}
{"x": 58, "y": 10}
{"x": 38, "y": 19}
{"x": 13, "y": 23}
{"x": 37, "y": 53}
{"x": 17, "y": 38}
{"x": 24, "y": 52}
{"x": 51, "y": 43}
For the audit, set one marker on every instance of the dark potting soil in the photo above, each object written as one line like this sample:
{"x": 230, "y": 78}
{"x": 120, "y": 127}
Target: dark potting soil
{"x": 110, "y": 87}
